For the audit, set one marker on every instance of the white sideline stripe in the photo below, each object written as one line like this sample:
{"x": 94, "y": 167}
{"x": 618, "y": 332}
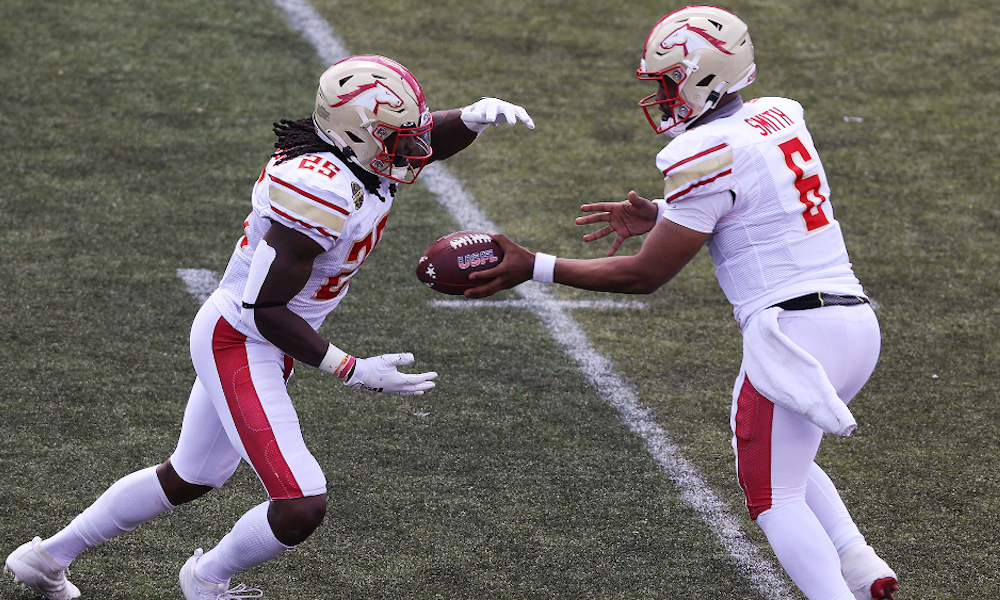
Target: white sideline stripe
{"x": 303, "y": 18}
{"x": 450, "y": 193}
{"x": 527, "y": 304}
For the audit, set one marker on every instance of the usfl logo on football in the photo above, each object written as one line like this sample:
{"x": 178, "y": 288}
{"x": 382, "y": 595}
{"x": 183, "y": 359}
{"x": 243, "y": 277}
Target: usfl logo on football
{"x": 477, "y": 259}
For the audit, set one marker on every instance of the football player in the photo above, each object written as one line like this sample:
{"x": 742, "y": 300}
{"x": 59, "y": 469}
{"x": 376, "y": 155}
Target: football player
{"x": 319, "y": 209}
{"x": 745, "y": 178}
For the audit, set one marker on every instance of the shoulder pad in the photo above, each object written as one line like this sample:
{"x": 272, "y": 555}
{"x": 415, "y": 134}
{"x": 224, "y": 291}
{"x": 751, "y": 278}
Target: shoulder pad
{"x": 312, "y": 191}
{"x": 693, "y": 162}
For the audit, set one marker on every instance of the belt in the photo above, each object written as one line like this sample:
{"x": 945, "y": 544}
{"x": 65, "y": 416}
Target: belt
{"x": 820, "y": 299}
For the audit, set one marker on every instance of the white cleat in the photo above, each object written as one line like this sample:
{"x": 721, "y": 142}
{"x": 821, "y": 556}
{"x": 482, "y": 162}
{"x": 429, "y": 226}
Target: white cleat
{"x": 34, "y": 568}
{"x": 195, "y": 588}
{"x": 867, "y": 575}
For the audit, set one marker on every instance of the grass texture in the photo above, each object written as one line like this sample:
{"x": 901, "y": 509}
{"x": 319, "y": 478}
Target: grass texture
{"x": 133, "y": 131}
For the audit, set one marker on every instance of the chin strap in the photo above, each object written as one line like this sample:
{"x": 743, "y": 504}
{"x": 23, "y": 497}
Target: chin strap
{"x": 713, "y": 100}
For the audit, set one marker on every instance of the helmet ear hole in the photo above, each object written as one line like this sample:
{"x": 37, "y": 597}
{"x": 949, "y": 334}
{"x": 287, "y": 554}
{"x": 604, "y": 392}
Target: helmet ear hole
{"x": 704, "y": 82}
{"x": 354, "y": 138}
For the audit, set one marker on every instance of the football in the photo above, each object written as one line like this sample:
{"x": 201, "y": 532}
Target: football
{"x": 446, "y": 264}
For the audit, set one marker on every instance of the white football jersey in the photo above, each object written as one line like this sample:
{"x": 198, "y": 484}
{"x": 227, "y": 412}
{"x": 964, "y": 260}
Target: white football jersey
{"x": 778, "y": 239}
{"x": 315, "y": 194}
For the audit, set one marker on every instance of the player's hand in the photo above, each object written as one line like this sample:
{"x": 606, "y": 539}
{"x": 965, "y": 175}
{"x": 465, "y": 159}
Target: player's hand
{"x": 379, "y": 374}
{"x": 516, "y": 267}
{"x": 493, "y": 111}
{"x": 635, "y": 216}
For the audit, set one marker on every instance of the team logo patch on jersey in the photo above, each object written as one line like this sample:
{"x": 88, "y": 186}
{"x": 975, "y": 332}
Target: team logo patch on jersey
{"x": 359, "y": 195}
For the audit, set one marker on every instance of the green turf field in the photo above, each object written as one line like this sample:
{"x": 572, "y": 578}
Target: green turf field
{"x": 133, "y": 131}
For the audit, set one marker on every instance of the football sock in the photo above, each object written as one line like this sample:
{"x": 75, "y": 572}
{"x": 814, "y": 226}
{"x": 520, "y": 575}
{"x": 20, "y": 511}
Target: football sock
{"x": 250, "y": 543}
{"x": 805, "y": 551}
{"x": 824, "y": 501}
{"x": 128, "y": 503}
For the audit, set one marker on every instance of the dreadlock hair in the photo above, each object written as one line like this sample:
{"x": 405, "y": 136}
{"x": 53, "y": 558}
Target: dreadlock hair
{"x": 296, "y": 138}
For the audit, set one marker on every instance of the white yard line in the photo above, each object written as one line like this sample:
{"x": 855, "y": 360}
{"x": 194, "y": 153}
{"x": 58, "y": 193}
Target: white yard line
{"x": 598, "y": 370}
{"x": 527, "y": 304}
{"x": 200, "y": 283}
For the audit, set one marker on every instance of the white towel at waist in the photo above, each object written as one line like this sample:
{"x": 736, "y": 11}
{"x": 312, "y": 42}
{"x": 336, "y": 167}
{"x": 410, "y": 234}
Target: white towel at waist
{"x": 787, "y": 375}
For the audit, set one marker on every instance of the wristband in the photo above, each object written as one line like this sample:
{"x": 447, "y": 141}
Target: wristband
{"x": 337, "y": 362}
{"x": 545, "y": 268}
{"x": 661, "y": 207}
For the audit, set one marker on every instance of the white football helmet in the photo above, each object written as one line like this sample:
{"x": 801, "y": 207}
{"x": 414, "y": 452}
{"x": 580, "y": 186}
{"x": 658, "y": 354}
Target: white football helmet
{"x": 373, "y": 109}
{"x": 697, "y": 54}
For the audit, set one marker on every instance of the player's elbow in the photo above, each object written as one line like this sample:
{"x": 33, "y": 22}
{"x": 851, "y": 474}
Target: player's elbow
{"x": 265, "y": 320}
{"x": 260, "y": 320}
{"x": 646, "y": 273}
{"x": 248, "y": 318}
{"x": 637, "y": 278}
{"x": 646, "y": 286}
{"x": 622, "y": 285}
{"x": 639, "y": 285}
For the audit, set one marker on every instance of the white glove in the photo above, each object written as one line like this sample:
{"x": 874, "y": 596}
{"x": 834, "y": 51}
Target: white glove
{"x": 379, "y": 374}
{"x": 493, "y": 111}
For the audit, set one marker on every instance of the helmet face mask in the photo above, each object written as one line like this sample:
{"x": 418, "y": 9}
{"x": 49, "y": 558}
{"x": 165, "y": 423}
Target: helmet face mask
{"x": 667, "y": 101}
{"x": 373, "y": 110}
{"x": 697, "y": 54}
{"x": 405, "y": 150}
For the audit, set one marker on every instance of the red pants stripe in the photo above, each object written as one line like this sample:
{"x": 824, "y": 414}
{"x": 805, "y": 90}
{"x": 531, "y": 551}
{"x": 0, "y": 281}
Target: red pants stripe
{"x": 228, "y": 346}
{"x": 754, "y": 416}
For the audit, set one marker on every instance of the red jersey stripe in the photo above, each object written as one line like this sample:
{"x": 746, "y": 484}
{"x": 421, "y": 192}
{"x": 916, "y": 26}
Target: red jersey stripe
{"x": 312, "y": 197}
{"x": 696, "y": 156}
{"x": 303, "y": 223}
{"x": 696, "y": 185}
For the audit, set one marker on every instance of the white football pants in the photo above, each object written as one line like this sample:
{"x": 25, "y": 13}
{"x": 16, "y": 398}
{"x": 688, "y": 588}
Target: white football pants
{"x": 788, "y": 495}
{"x": 239, "y": 408}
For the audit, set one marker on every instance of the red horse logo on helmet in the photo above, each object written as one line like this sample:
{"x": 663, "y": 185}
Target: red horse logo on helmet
{"x": 695, "y": 36}
{"x": 371, "y": 96}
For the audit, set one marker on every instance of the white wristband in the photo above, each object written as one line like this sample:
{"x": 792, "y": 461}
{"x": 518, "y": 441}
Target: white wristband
{"x": 661, "y": 207}
{"x": 545, "y": 268}
{"x": 336, "y": 361}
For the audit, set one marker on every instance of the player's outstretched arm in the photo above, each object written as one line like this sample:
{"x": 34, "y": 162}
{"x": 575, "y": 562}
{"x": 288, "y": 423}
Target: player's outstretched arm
{"x": 454, "y": 130}
{"x": 667, "y": 249}
{"x": 635, "y": 216}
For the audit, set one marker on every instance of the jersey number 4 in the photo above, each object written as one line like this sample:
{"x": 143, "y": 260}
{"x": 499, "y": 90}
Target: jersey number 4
{"x": 808, "y": 187}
